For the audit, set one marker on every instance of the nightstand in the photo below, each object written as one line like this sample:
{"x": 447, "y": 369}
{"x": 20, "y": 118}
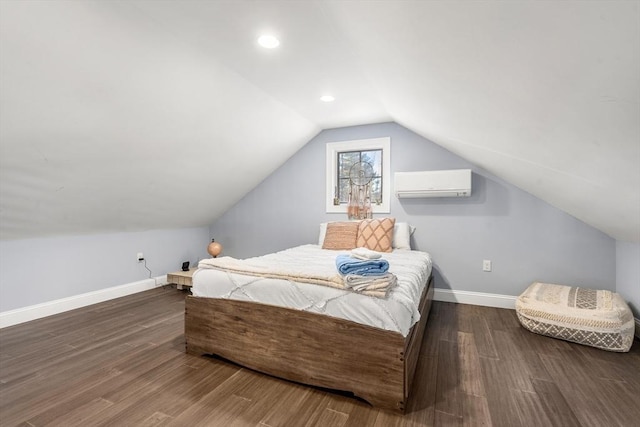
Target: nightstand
{"x": 181, "y": 278}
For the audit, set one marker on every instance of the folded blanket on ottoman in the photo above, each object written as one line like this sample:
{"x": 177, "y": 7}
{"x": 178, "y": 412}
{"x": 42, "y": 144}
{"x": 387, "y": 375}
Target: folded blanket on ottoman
{"x": 597, "y": 318}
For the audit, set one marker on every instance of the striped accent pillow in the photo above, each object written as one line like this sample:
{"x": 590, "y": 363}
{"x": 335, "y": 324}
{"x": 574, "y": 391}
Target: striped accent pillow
{"x": 376, "y": 234}
{"x": 341, "y": 235}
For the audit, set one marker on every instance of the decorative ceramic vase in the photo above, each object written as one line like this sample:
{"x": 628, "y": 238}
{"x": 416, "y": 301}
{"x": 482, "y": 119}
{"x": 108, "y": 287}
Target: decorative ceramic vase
{"x": 214, "y": 248}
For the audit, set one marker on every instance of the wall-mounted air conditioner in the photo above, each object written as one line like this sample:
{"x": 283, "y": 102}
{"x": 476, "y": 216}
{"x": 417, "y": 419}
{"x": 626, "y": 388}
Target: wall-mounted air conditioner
{"x": 443, "y": 183}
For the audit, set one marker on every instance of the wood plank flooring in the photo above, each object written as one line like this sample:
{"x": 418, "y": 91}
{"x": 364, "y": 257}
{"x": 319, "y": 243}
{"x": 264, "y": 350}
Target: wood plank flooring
{"x": 122, "y": 363}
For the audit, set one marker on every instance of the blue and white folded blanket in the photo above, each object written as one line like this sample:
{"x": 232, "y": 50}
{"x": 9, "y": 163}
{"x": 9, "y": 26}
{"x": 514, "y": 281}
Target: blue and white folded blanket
{"x": 364, "y": 253}
{"x": 371, "y": 267}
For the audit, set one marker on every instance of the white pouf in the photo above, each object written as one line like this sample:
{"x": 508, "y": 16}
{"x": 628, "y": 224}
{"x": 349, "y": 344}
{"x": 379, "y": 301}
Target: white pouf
{"x": 597, "y": 318}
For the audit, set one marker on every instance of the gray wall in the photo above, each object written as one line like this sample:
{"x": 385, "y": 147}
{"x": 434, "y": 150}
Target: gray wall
{"x": 628, "y": 274}
{"x": 524, "y": 237}
{"x": 34, "y": 271}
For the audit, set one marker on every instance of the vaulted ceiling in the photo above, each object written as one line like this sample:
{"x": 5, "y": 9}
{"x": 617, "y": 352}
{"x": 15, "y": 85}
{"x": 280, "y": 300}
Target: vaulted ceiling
{"x": 117, "y": 115}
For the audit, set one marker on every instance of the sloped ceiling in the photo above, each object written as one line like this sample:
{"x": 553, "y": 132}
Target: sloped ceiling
{"x": 118, "y": 116}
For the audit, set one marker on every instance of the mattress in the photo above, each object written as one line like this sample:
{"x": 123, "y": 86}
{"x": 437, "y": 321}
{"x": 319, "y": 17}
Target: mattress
{"x": 398, "y": 312}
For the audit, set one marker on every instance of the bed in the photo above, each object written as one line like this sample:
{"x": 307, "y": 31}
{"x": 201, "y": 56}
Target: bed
{"x": 315, "y": 334}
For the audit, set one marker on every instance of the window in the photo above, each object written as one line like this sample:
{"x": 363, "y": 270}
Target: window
{"x": 349, "y": 158}
{"x": 341, "y": 156}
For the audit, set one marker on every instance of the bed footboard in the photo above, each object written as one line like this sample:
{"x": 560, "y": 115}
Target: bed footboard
{"x": 374, "y": 364}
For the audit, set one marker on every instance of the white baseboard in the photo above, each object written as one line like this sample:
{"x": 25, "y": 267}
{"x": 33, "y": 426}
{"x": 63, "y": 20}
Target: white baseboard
{"x": 475, "y": 298}
{"x": 26, "y": 314}
{"x": 33, "y": 312}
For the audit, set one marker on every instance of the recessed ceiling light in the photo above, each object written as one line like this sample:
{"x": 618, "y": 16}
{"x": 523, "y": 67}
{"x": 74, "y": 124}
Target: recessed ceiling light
{"x": 327, "y": 98}
{"x": 268, "y": 41}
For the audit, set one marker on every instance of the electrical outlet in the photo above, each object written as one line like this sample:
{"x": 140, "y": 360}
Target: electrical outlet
{"x": 140, "y": 257}
{"x": 486, "y": 265}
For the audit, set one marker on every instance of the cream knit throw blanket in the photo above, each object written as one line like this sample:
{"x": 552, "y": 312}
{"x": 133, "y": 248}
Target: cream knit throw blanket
{"x": 293, "y": 270}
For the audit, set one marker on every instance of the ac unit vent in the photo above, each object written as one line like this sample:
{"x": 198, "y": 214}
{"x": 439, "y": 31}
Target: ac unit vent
{"x": 442, "y": 183}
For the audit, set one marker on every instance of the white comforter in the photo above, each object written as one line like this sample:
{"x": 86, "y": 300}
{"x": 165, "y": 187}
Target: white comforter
{"x": 398, "y": 312}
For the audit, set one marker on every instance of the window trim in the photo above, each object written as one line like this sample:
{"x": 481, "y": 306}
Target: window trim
{"x": 333, "y": 148}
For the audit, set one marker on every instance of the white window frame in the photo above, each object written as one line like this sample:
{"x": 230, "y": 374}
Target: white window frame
{"x": 333, "y": 148}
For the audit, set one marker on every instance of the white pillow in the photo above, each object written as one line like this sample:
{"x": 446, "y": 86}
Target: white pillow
{"x": 402, "y": 232}
{"x": 323, "y": 232}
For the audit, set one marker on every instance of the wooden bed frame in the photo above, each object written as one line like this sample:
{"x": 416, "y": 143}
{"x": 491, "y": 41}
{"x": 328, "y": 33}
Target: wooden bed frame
{"x": 374, "y": 364}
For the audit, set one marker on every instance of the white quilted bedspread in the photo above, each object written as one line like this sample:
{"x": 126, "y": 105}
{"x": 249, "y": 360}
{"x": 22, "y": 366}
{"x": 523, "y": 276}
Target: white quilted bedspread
{"x": 398, "y": 312}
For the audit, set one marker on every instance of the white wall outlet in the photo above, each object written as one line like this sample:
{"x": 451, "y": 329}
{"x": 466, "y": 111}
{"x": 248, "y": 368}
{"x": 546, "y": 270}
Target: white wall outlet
{"x": 140, "y": 257}
{"x": 486, "y": 265}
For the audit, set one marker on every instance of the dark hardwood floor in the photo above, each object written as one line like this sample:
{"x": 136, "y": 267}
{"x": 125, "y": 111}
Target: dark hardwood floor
{"x": 122, "y": 363}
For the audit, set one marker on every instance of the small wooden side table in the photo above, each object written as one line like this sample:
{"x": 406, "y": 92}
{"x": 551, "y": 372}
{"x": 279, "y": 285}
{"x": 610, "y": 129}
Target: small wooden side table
{"x": 181, "y": 278}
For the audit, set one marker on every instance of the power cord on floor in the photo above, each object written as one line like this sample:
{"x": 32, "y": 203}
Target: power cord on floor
{"x": 145, "y": 266}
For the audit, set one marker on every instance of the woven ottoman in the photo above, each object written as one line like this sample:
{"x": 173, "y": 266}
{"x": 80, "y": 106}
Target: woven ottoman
{"x": 597, "y": 318}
